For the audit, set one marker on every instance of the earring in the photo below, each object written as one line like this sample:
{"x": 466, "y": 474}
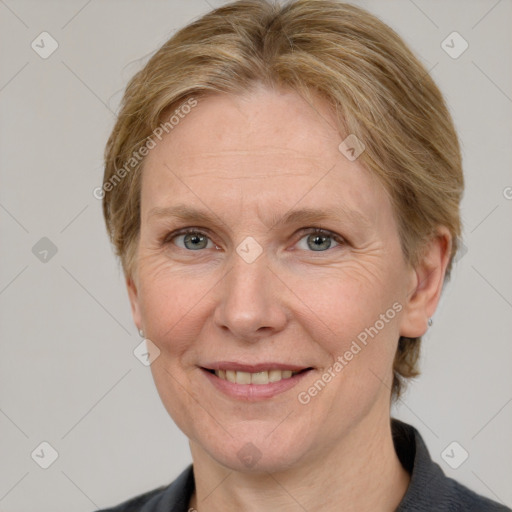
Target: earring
{"x": 141, "y": 333}
{"x": 430, "y": 322}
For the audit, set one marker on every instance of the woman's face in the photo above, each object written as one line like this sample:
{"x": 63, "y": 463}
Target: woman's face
{"x": 253, "y": 287}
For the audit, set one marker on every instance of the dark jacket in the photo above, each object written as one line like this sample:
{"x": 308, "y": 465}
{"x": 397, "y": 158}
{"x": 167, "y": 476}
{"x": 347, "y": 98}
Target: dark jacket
{"x": 430, "y": 490}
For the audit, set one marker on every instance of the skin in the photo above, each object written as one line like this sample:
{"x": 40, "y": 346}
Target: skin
{"x": 247, "y": 160}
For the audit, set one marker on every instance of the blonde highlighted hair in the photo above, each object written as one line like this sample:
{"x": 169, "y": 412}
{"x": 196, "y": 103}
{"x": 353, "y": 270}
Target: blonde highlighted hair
{"x": 379, "y": 90}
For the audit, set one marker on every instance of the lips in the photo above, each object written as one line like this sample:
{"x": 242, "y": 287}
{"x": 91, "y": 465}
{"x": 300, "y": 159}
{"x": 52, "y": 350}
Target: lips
{"x": 252, "y": 368}
{"x": 258, "y": 378}
{"x": 253, "y": 382}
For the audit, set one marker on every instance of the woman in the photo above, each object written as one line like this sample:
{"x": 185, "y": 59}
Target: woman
{"x": 282, "y": 187}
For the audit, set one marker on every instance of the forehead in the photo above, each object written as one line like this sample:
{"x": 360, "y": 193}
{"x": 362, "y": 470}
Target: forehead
{"x": 267, "y": 150}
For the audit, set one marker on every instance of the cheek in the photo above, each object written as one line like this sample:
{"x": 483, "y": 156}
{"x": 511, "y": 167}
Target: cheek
{"x": 170, "y": 304}
{"x": 355, "y": 323}
{"x": 344, "y": 303}
{"x": 173, "y": 309}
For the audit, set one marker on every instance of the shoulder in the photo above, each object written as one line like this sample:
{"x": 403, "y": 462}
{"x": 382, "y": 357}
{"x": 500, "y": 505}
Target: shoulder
{"x": 135, "y": 504}
{"x": 429, "y": 488}
{"x": 174, "y": 497}
{"x": 465, "y": 499}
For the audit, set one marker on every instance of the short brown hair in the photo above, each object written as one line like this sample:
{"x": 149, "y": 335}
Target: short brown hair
{"x": 380, "y": 91}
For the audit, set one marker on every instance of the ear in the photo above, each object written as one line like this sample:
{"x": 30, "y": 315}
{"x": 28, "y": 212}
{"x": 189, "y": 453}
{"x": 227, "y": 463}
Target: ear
{"x": 134, "y": 301}
{"x": 427, "y": 285}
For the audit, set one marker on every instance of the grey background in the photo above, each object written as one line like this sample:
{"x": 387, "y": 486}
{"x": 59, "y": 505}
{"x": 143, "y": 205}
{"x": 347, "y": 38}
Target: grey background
{"x": 67, "y": 372}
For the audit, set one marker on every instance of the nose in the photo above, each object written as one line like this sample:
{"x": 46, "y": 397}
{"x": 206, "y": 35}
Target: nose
{"x": 250, "y": 301}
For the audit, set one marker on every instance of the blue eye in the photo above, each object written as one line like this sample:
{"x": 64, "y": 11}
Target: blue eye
{"x": 317, "y": 240}
{"x": 193, "y": 240}
{"x": 320, "y": 240}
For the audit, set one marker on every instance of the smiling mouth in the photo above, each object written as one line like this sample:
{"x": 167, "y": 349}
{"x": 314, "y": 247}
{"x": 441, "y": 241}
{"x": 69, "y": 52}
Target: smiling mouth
{"x": 258, "y": 378}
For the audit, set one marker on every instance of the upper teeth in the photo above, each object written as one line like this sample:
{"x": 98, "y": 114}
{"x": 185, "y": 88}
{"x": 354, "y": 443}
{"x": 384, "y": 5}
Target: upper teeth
{"x": 254, "y": 378}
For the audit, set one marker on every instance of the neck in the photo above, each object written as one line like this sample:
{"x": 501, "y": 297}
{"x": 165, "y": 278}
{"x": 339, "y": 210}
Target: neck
{"x": 362, "y": 473}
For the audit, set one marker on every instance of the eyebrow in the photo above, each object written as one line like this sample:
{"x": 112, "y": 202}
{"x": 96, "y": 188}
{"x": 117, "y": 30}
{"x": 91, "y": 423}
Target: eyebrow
{"x": 190, "y": 214}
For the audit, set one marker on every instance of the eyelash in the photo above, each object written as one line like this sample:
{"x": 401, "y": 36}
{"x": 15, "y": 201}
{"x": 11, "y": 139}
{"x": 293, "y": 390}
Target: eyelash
{"x": 303, "y": 232}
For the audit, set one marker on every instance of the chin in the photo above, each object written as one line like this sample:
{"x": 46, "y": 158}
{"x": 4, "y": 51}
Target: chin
{"x": 257, "y": 453}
